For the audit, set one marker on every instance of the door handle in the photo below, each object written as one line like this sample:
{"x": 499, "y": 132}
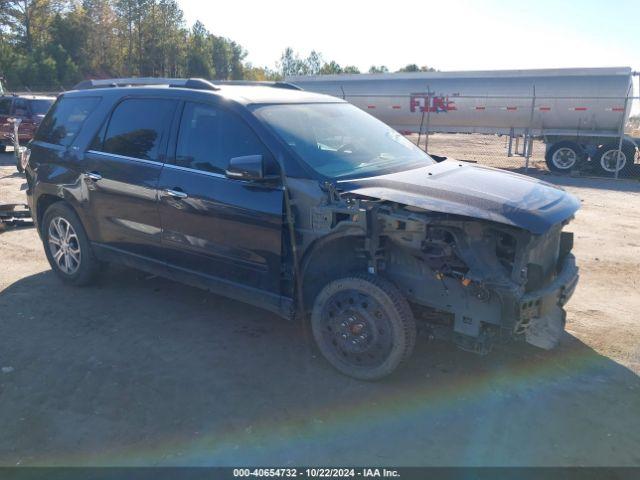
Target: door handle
{"x": 175, "y": 193}
{"x": 95, "y": 176}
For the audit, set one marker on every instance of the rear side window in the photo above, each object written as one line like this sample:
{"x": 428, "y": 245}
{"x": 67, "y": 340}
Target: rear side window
{"x": 5, "y": 106}
{"x": 64, "y": 120}
{"x": 137, "y": 128}
{"x": 210, "y": 136}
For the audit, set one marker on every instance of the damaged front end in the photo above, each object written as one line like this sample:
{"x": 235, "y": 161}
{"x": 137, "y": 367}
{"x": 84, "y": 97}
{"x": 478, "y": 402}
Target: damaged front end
{"x": 490, "y": 281}
{"x": 475, "y": 280}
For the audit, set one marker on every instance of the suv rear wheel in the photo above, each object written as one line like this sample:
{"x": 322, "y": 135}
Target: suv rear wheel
{"x": 67, "y": 246}
{"x": 363, "y": 326}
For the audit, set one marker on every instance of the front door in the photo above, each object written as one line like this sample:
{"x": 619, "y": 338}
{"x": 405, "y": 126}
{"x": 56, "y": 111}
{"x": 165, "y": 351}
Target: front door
{"x": 121, "y": 172}
{"x": 227, "y": 232}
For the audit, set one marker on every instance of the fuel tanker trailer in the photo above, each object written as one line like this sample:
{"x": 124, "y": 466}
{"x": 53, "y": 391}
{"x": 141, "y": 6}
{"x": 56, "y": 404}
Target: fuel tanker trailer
{"x": 578, "y": 112}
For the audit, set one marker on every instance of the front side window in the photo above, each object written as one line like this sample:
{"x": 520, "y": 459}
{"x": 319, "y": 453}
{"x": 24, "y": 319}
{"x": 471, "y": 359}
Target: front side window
{"x": 339, "y": 140}
{"x": 137, "y": 128}
{"x": 64, "y": 120}
{"x": 210, "y": 136}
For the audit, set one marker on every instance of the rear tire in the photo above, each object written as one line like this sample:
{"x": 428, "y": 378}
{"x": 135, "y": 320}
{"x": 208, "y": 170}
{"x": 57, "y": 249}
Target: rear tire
{"x": 562, "y": 157}
{"x": 67, "y": 247}
{"x": 605, "y": 158}
{"x": 363, "y": 326}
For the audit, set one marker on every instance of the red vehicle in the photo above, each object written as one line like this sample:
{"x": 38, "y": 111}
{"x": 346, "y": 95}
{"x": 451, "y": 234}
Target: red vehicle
{"x": 30, "y": 109}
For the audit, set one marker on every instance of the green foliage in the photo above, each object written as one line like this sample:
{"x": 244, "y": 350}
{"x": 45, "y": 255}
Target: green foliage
{"x": 378, "y": 69}
{"x": 330, "y": 68}
{"x": 291, "y": 63}
{"x": 55, "y": 43}
{"x": 412, "y": 67}
{"x": 52, "y": 44}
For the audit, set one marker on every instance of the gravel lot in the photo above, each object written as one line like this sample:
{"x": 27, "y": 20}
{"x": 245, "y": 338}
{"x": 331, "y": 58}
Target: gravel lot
{"x": 145, "y": 371}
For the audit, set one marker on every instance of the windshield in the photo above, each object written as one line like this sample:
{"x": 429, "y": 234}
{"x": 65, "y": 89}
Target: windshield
{"x": 40, "y": 107}
{"x": 339, "y": 140}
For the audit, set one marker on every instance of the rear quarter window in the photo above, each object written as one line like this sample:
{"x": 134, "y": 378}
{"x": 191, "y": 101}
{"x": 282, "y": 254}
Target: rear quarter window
{"x": 137, "y": 128}
{"x": 65, "y": 119}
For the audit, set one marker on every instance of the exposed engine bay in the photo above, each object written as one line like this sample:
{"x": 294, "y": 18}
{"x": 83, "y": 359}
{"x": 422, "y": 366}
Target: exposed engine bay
{"x": 475, "y": 281}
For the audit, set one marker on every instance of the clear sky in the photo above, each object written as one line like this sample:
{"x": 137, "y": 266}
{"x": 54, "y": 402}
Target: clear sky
{"x": 445, "y": 34}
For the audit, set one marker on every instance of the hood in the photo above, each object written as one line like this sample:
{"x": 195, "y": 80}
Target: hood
{"x": 472, "y": 191}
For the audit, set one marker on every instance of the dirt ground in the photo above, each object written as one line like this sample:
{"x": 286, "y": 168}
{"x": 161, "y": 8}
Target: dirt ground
{"x": 145, "y": 371}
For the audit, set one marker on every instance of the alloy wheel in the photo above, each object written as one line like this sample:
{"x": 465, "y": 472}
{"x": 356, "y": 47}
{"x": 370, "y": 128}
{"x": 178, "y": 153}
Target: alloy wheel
{"x": 64, "y": 245}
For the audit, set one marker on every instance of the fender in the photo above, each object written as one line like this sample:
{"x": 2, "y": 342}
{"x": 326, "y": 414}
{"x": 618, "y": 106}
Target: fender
{"x": 63, "y": 181}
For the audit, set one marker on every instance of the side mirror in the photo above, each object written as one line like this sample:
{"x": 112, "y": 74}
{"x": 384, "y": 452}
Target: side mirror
{"x": 248, "y": 167}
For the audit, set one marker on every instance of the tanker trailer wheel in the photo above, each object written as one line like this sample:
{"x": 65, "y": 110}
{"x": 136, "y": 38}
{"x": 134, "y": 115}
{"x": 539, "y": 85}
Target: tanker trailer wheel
{"x": 606, "y": 158}
{"x": 563, "y": 156}
{"x": 363, "y": 326}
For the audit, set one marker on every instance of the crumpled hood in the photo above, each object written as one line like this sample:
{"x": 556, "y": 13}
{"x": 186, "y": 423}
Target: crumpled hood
{"x": 473, "y": 191}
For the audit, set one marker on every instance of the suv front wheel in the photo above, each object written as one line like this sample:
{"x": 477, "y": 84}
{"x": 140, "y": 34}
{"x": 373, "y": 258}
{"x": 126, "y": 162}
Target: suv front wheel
{"x": 363, "y": 326}
{"x": 67, "y": 246}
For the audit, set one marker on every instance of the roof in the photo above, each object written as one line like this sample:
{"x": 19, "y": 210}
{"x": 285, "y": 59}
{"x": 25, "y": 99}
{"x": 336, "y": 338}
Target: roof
{"x": 245, "y": 93}
{"x": 260, "y": 95}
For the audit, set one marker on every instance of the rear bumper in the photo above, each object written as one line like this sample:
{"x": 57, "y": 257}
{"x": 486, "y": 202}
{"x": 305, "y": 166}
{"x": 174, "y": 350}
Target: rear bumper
{"x": 542, "y": 318}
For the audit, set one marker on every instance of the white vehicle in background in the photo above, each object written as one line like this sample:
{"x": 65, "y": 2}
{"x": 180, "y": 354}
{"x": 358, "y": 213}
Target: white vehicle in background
{"x": 578, "y": 113}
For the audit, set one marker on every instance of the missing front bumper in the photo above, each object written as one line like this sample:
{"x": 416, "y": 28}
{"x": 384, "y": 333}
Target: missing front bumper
{"x": 545, "y": 329}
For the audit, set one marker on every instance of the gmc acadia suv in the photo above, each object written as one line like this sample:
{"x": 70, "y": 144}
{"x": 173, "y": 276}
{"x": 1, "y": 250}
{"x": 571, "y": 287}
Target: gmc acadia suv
{"x": 305, "y": 205}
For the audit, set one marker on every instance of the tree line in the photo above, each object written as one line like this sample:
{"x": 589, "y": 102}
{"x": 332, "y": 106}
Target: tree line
{"x": 52, "y": 44}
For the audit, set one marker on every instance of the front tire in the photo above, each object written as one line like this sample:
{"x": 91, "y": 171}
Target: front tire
{"x": 363, "y": 326}
{"x": 67, "y": 247}
{"x": 563, "y": 157}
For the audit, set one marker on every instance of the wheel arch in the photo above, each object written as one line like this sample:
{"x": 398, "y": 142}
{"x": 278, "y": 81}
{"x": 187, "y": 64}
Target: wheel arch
{"x": 329, "y": 258}
{"x": 42, "y": 204}
{"x": 45, "y": 200}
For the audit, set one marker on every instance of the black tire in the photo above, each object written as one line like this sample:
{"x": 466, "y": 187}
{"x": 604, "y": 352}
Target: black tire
{"x": 363, "y": 326}
{"x": 605, "y": 159}
{"x": 563, "y": 157}
{"x": 87, "y": 266}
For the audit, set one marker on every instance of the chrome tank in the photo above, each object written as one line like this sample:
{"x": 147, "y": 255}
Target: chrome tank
{"x": 588, "y": 101}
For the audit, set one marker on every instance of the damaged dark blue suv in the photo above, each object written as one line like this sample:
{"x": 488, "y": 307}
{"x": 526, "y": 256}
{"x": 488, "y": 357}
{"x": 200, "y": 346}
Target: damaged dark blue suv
{"x": 304, "y": 205}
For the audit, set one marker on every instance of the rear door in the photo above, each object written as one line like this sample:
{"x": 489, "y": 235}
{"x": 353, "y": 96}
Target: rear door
{"x": 122, "y": 169}
{"x": 225, "y": 231}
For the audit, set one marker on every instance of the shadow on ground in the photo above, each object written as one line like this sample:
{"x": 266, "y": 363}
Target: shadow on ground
{"x": 145, "y": 371}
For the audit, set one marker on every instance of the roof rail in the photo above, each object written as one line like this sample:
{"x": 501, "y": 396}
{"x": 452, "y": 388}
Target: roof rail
{"x": 259, "y": 83}
{"x": 195, "y": 83}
